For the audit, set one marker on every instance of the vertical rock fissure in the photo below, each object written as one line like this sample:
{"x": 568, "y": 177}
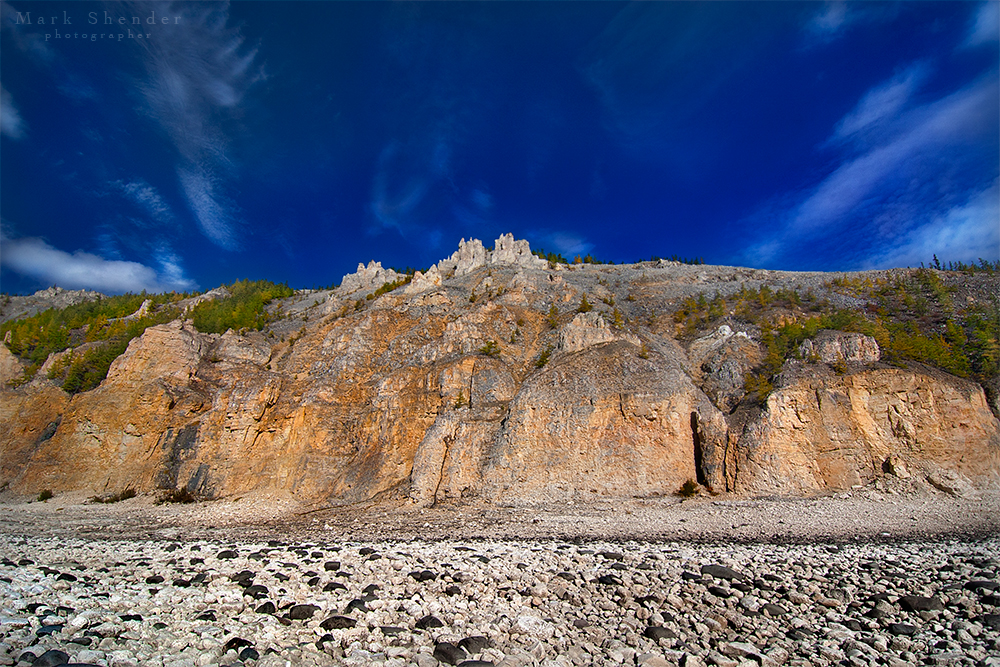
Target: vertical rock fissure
{"x": 472, "y": 380}
{"x": 699, "y": 469}
{"x": 444, "y": 462}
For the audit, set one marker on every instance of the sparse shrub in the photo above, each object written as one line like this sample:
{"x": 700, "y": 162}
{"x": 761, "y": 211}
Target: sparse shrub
{"x": 552, "y": 257}
{"x": 618, "y": 321}
{"x": 179, "y": 496}
{"x": 125, "y": 494}
{"x": 643, "y": 352}
{"x": 44, "y": 495}
{"x": 688, "y": 489}
{"x": 584, "y": 306}
{"x": 385, "y": 288}
{"x": 490, "y": 349}
{"x": 758, "y": 385}
{"x": 543, "y": 358}
{"x": 553, "y": 316}
{"x": 460, "y": 401}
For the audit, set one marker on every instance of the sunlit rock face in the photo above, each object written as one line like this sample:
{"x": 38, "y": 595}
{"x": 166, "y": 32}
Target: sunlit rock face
{"x": 480, "y": 380}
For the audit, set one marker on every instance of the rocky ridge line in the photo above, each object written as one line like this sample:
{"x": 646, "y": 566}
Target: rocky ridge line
{"x": 480, "y": 380}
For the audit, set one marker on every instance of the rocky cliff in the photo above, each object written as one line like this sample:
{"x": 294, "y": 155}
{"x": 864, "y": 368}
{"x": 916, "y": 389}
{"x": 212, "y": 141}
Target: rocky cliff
{"x": 480, "y": 378}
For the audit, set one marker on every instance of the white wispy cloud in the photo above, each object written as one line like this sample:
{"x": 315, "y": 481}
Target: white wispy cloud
{"x": 830, "y": 20}
{"x": 565, "y": 243}
{"x": 923, "y": 131}
{"x": 172, "y": 270}
{"x": 964, "y": 233}
{"x": 392, "y": 204}
{"x": 836, "y": 18}
{"x": 37, "y": 259}
{"x": 146, "y": 198}
{"x": 11, "y": 125}
{"x": 27, "y": 40}
{"x": 482, "y": 199}
{"x": 985, "y": 26}
{"x": 213, "y": 210}
{"x": 197, "y": 79}
{"x": 895, "y": 178}
{"x": 882, "y": 104}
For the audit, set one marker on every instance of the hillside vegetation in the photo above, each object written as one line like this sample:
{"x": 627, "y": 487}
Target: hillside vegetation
{"x": 243, "y": 309}
{"x": 99, "y": 331}
{"x": 913, "y": 317}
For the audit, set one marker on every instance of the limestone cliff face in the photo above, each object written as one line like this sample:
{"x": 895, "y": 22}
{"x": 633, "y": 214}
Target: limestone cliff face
{"x": 10, "y": 367}
{"x": 602, "y": 421}
{"x": 439, "y": 390}
{"x": 821, "y": 431}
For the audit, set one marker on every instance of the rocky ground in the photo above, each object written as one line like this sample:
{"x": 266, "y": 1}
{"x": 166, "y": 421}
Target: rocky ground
{"x": 865, "y": 579}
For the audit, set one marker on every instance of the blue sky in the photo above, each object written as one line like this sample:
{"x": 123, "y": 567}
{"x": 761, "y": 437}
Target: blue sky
{"x": 292, "y": 140}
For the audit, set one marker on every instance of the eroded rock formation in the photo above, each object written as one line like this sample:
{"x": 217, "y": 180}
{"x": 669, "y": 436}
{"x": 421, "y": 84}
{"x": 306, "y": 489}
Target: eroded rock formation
{"x": 465, "y": 384}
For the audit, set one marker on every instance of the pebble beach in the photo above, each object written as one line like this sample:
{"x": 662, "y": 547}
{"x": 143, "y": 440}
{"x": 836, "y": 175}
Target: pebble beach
{"x": 193, "y": 586}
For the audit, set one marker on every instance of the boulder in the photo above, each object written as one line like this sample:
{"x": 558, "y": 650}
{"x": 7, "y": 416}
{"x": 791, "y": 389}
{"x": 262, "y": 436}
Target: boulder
{"x": 832, "y": 347}
{"x": 10, "y": 368}
{"x": 585, "y": 330}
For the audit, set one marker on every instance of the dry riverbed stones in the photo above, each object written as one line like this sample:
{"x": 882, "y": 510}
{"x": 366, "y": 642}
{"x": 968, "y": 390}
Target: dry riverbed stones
{"x": 502, "y": 603}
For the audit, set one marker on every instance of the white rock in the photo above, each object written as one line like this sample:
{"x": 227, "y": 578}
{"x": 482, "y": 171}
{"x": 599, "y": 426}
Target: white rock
{"x": 534, "y": 626}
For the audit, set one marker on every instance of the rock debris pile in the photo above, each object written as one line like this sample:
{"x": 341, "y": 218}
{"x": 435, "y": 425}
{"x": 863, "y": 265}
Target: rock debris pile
{"x": 199, "y": 603}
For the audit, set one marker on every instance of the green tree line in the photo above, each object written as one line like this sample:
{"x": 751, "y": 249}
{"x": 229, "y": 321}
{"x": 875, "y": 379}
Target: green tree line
{"x": 244, "y": 308}
{"x": 102, "y": 323}
{"x": 913, "y": 318}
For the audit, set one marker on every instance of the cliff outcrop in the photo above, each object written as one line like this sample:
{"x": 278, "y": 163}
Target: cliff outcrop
{"x": 820, "y": 430}
{"x": 480, "y": 380}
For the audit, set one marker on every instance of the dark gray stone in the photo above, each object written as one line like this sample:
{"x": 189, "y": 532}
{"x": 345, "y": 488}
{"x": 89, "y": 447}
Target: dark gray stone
{"x": 302, "y": 612}
{"x": 722, "y": 572}
{"x": 656, "y": 633}
{"x": 476, "y": 644}
{"x": 429, "y": 622}
{"x": 51, "y": 659}
{"x": 449, "y": 653}
{"x": 338, "y": 623}
{"x": 904, "y": 629}
{"x": 919, "y": 603}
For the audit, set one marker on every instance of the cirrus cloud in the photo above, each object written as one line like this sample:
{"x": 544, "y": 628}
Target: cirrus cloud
{"x": 907, "y": 178}
{"x": 11, "y": 124}
{"x": 197, "y": 78}
{"x": 986, "y": 25}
